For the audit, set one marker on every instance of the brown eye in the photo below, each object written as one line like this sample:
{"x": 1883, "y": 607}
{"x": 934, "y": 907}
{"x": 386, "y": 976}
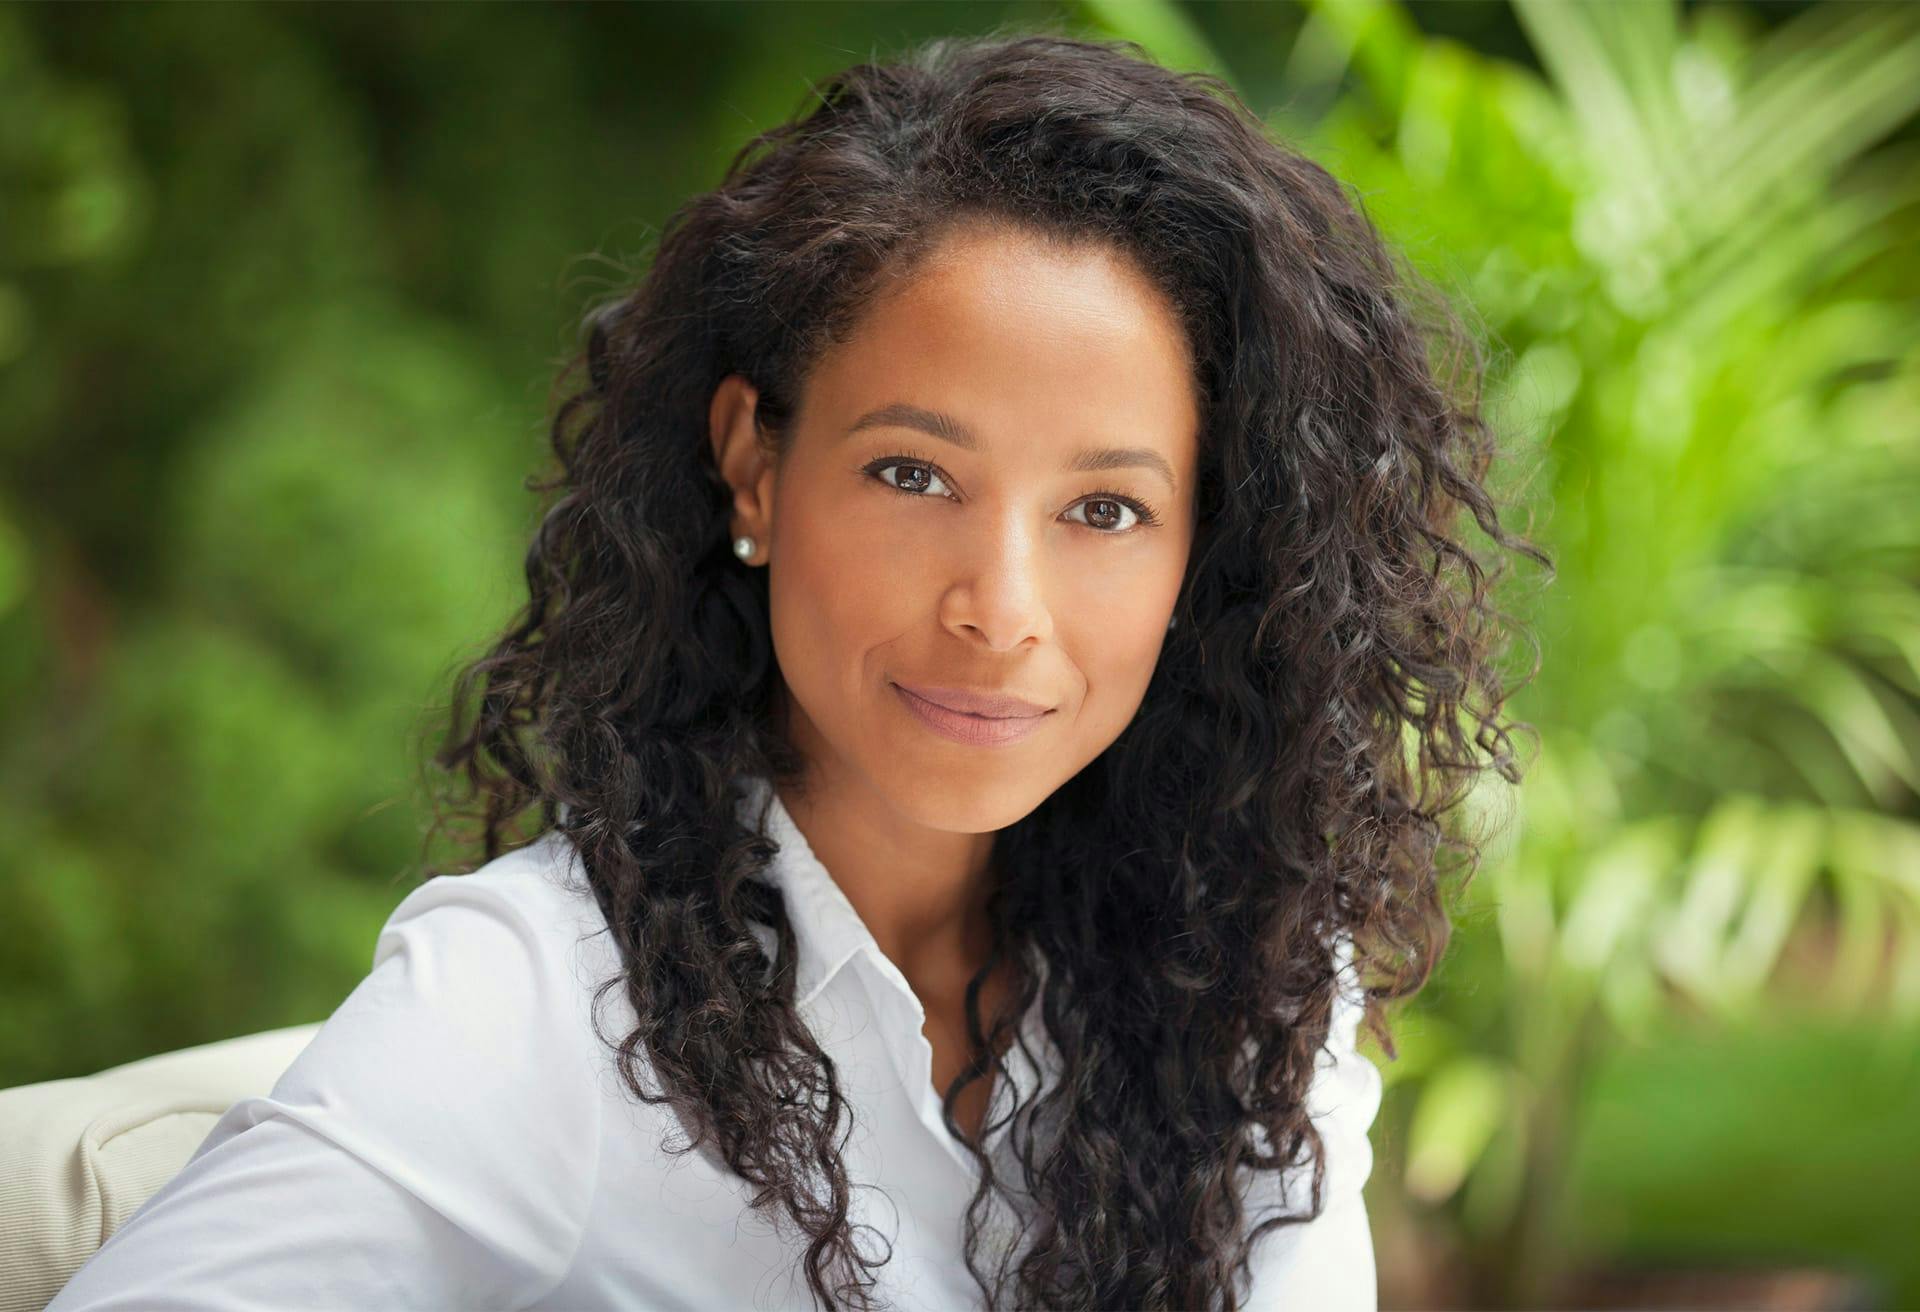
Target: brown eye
{"x": 915, "y": 479}
{"x": 1107, "y": 515}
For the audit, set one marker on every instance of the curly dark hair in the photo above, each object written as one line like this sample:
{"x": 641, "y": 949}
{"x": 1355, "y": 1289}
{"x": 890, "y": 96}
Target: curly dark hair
{"x": 1330, "y": 694}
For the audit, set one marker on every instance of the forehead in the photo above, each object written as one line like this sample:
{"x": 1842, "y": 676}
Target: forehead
{"x": 1027, "y": 341}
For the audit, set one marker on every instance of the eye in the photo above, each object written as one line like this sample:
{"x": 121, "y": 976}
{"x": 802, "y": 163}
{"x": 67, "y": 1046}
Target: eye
{"x": 1107, "y": 513}
{"x": 917, "y": 481}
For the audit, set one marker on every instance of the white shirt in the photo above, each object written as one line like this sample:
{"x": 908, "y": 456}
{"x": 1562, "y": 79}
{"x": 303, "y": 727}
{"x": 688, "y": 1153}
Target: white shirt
{"x": 456, "y": 1136}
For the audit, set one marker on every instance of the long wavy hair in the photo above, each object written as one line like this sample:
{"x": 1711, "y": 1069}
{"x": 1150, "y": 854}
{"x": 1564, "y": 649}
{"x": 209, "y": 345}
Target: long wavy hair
{"x": 1292, "y": 776}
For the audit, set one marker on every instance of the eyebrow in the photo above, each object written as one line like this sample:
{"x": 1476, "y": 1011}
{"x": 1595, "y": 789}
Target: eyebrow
{"x": 934, "y": 423}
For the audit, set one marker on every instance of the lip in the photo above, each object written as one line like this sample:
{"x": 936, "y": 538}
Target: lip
{"x": 993, "y": 706}
{"x": 1015, "y": 719}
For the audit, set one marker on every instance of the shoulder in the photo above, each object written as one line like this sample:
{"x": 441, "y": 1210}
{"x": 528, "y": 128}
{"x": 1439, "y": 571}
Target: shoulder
{"x": 464, "y": 1063}
{"x": 537, "y": 894}
{"x": 488, "y": 975}
{"x": 529, "y": 914}
{"x": 484, "y": 973}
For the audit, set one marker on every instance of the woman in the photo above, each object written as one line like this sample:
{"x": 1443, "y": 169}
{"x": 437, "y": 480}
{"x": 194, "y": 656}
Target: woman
{"x": 994, "y": 672}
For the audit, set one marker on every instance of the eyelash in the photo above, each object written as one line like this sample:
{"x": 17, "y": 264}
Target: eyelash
{"x": 1145, "y": 513}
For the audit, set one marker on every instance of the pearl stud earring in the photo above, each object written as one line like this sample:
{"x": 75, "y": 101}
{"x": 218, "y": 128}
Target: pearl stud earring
{"x": 743, "y": 547}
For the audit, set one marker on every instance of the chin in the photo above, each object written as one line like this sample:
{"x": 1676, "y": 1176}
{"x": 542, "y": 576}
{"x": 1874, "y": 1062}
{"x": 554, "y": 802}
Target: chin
{"x": 977, "y": 801}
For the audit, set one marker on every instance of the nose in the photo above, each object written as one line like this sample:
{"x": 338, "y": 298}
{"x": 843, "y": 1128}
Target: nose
{"x": 997, "y": 597}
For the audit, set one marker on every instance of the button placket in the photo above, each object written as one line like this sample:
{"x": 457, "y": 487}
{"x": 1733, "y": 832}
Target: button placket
{"x": 911, "y": 1052}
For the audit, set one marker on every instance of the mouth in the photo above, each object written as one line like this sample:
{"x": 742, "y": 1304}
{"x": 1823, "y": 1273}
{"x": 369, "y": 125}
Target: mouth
{"x": 986, "y": 705}
{"x": 1012, "y": 718}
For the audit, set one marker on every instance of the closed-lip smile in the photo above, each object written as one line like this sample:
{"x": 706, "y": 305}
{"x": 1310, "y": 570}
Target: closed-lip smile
{"x": 991, "y": 706}
{"x": 951, "y": 713}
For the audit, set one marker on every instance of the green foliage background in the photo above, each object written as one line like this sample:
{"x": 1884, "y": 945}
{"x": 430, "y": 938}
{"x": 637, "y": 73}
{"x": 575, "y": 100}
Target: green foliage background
{"x": 282, "y": 291}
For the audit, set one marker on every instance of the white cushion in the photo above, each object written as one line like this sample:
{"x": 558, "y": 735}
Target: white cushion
{"x": 79, "y": 1156}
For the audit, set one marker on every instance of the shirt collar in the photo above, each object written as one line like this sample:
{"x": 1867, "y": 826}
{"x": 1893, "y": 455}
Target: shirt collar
{"x": 828, "y": 931}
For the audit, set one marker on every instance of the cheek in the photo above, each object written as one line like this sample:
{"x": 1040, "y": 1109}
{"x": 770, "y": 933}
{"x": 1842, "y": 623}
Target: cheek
{"x": 839, "y": 589}
{"x": 1115, "y": 635}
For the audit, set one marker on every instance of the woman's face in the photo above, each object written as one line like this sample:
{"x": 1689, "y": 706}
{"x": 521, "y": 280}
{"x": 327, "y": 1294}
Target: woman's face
{"x": 988, "y": 489}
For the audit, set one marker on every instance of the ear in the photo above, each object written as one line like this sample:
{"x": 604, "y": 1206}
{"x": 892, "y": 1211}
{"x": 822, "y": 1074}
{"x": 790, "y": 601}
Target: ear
{"x": 742, "y": 459}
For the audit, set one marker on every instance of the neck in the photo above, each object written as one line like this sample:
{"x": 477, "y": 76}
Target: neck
{"x": 921, "y": 891}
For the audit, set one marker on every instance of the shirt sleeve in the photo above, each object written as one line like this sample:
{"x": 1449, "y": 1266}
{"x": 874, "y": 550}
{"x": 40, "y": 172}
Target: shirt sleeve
{"x": 435, "y": 1146}
{"x": 1326, "y": 1264}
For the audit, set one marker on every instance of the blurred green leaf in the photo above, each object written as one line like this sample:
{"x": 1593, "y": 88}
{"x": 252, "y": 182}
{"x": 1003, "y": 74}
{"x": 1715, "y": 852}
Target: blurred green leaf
{"x": 1454, "y": 1120}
